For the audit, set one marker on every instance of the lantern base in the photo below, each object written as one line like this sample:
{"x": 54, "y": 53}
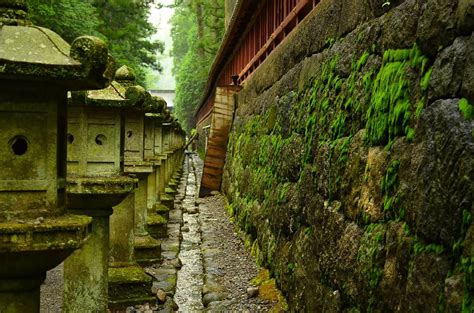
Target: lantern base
{"x": 28, "y": 250}
{"x": 129, "y": 285}
{"x": 157, "y": 226}
{"x": 147, "y": 250}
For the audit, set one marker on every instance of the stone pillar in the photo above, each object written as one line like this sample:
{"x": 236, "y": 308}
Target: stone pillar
{"x": 147, "y": 249}
{"x": 128, "y": 283}
{"x": 86, "y": 270}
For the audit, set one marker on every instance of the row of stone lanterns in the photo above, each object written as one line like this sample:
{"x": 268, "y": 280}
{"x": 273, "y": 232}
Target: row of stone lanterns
{"x": 85, "y": 178}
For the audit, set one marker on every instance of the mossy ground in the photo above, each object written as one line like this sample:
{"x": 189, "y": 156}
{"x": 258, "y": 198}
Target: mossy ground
{"x": 269, "y": 291}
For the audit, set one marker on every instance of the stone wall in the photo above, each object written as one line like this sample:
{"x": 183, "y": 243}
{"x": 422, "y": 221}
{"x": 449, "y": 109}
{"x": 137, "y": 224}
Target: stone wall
{"x": 350, "y": 162}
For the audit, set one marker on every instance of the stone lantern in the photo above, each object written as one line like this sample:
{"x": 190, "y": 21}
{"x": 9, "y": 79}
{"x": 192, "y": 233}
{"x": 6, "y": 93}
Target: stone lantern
{"x": 37, "y": 68}
{"x": 161, "y": 152}
{"x": 128, "y": 283}
{"x": 157, "y": 213}
{"x": 167, "y": 126}
{"x": 176, "y": 148}
{"x": 147, "y": 249}
{"x": 95, "y": 184}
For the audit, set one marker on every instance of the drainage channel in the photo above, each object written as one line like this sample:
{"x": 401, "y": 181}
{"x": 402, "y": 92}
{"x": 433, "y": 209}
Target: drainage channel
{"x": 190, "y": 282}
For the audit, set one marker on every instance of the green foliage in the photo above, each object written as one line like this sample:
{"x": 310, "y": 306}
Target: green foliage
{"x": 197, "y": 31}
{"x": 466, "y": 109}
{"x": 122, "y": 24}
{"x": 127, "y": 29}
{"x": 69, "y": 18}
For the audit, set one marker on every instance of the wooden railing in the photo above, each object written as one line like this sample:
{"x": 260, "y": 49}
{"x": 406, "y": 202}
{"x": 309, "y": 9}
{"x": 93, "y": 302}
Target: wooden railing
{"x": 269, "y": 27}
{"x": 265, "y": 30}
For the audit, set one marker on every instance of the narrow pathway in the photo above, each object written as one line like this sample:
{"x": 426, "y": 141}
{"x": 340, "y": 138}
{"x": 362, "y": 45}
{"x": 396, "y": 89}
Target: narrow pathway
{"x": 217, "y": 268}
{"x": 190, "y": 278}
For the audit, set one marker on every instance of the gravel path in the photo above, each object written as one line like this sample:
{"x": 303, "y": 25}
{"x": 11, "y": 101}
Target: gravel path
{"x": 228, "y": 266}
{"x": 227, "y": 262}
{"x": 52, "y": 291}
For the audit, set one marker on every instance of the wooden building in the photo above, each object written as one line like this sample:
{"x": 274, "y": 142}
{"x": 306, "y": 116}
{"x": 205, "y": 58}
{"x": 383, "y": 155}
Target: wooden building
{"x": 254, "y": 30}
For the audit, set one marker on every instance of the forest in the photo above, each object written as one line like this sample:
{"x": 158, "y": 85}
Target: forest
{"x": 197, "y": 31}
{"x": 122, "y": 24}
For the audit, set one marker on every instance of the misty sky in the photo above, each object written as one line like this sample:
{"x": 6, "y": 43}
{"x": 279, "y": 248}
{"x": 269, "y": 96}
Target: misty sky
{"x": 161, "y": 19}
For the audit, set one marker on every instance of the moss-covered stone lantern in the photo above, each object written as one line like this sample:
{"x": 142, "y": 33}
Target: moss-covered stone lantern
{"x": 177, "y": 154}
{"x": 147, "y": 249}
{"x": 37, "y": 68}
{"x": 157, "y": 212}
{"x": 95, "y": 184}
{"x": 163, "y": 204}
{"x": 128, "y": 283}
{"x": 167, "y": 130}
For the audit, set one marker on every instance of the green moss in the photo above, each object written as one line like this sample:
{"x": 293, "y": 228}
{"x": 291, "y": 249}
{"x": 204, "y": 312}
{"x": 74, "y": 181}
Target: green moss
{"x": 132, "y": 274}
{"x": 389, "y": 114}
{"x": 362, "y": 61}
{"x": 396, "y": 55}
{"x": 262, "y": 276}
{"x": 419, "y": 247}
{"x": 426, "y": 80}
{"x": 467, "y": 267}
{"x": 410, "y": 134}
{"x": 419, "y": 107}
{"x": 162, "y": 209}
{"x": 268, "y": 291}
{"x": 256, "y": 253}
{"x": 466, "y": 109}
{"x": 367, "y": 81}
{"x": 329, "y": 42}
{"x": 156, "y": 219}
{"x": 370, "y": 253}
{"x": 389, "y": 185}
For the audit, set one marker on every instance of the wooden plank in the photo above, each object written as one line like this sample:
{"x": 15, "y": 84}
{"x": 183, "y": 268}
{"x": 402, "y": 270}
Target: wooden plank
{"x": 213, "y": 171}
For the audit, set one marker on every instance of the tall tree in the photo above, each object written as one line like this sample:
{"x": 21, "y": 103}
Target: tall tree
{"x": 68, "y": 18}
{"x": 197, "y": 31}
{"x": 125, "y": 25}
{"x": 122, "y": 23}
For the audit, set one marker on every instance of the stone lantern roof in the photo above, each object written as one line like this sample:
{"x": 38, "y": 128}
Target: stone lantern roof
{"x": 155, "y": 104}
{"x": 32, "y": 53}
{"x": 167, "y": 116}
{"x": 114, "y": 96}
{"x": 125, "y": 76}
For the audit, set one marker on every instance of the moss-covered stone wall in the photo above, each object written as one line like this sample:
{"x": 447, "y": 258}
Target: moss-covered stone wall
{"x": 350, "y": 162}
